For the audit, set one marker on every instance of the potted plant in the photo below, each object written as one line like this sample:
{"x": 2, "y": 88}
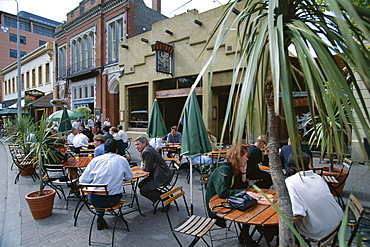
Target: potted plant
{"x": 323, "y": 134}
{"x": 41, "y": 201}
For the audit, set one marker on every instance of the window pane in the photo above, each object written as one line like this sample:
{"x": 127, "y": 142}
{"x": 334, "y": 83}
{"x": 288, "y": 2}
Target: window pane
{"x": 138, "y": 107}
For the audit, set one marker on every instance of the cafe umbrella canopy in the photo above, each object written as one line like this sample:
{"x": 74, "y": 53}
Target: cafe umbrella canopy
{"x": 65, "y": 121}
{"x": 156, "y": 126}
{"x": 73, "y": 115}
{"x": 194, "y": 135}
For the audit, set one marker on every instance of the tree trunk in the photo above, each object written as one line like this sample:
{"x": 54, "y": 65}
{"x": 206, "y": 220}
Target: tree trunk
{"x": 286, "y": 237}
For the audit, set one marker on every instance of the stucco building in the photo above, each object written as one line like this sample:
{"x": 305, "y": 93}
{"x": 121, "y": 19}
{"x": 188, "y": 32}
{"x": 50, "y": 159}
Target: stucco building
{"x": 87, "y": 46}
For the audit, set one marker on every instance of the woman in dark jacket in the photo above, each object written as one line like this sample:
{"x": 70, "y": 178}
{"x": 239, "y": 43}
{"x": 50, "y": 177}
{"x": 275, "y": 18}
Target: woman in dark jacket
{"x": 228, "y": 179}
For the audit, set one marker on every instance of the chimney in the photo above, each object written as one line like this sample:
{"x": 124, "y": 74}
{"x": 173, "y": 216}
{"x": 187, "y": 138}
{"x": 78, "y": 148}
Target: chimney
{"x": 156, "y": 5}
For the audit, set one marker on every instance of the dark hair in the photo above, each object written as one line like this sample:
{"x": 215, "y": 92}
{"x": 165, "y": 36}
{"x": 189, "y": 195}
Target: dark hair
{"x": 174, "y": 127}
{"x": 110, "y": 146}
{"x": 106, "y": 128}
{"x": 119, "y": 127}
{"x": 294, "y": 167}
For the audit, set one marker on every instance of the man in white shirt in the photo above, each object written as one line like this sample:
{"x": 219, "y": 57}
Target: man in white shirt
{"x": 80, "y": 140}
{"x": 311, "y": 198}
{"x": 76, "y": 124}
{"x": 122, "y": 134}
{"x": 110, "y": 169}
{"x": 72, "y": 135}
{"x": 91, "y": 122}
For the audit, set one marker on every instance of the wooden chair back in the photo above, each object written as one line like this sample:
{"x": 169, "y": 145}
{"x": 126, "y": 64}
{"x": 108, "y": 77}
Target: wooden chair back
{"x": 357, "y": 212}
{"x": 329, "y": 239}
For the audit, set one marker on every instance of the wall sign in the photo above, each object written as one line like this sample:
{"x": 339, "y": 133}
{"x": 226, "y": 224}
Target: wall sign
{"x": 163, "y": 57}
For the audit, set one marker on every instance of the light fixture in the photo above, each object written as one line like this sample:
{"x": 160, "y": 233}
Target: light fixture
{"x": 198, "y": 22}
{"x": 235, "y": 11}
{"x": 169, "y": 32}
{"x": 124, "y": 46}
{"x": 144, "y": 40}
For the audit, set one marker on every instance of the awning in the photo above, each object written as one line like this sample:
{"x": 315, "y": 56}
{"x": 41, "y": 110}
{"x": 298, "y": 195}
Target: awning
{"x": 7, "y": 103}
{"x": 43, "y": 102}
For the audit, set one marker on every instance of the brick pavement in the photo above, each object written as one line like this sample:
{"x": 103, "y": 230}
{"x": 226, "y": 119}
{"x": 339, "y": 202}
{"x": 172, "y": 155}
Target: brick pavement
{"x": 18, "y": 228}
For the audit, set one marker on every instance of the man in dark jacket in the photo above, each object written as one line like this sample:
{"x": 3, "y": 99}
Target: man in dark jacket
{"x": 159, "y": 172}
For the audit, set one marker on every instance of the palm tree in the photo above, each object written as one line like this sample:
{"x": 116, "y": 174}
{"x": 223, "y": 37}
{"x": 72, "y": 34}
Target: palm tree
{"x": 266, "y": 32}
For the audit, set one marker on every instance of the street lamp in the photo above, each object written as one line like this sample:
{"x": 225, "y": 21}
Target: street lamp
{"x": 19, "y": 83}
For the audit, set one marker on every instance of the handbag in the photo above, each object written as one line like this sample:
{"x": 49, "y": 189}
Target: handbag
{"x": 240, "y": 201}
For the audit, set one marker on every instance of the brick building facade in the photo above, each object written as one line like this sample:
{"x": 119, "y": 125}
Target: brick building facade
{"x": 87, "y": 46}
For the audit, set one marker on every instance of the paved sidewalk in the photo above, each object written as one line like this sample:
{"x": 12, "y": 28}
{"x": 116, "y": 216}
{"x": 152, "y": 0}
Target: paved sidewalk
{"x": 18, "y": 228}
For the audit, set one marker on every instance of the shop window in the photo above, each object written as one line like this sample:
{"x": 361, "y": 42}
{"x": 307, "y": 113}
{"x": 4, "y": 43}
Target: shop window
{"x": 138, "y": 107}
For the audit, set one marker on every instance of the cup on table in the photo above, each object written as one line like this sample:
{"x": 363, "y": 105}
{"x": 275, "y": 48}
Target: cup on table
{"x": 89, "y": 156}
{"x": 77, "y": 158}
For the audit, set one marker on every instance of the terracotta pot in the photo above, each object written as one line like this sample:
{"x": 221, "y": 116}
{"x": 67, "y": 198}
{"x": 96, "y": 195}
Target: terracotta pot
{"x": 27, "y": 171}
{"x": 41, "y": 206}
{"x": 335, "y": 174}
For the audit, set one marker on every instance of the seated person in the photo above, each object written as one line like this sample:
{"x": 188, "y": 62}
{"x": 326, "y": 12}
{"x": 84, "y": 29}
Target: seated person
{"x": 99, "y": 145}
{"x": 286, "y": 151}
{"x": 111, "y": 169}
{"x": 228, "y": 179}
{"x": 80, "y": 140}
{"x": 206, "y": 159}
{"x": 114, "y": 132}
{"x": 311, "y": 198}
{"x": 159, "y": 172}
{"x": 255, "y": 158}
{"x": 174, "y": 137}
{"x": 156, "y": 143}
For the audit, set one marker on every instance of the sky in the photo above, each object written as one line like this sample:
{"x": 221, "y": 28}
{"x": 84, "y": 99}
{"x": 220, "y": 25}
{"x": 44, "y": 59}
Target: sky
{"x": 60, "y": 9}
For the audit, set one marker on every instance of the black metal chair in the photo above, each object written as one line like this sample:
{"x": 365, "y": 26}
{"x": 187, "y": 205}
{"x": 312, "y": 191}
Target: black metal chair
{"x": 114, "y": 210}
{"x": 192, "y": 225}
{"x": 26, "y": 166}
{"x": 169, "y": 186}
{"x": 56, "y": 177}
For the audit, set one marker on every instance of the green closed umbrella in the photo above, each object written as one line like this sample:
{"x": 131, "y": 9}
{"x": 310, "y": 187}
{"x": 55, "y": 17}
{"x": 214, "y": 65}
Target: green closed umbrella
{"x": 156, "y": 126}
{"x": 194, "y": 135}
{"x": 65, "y": 121}
{"x": 73, "y": 115}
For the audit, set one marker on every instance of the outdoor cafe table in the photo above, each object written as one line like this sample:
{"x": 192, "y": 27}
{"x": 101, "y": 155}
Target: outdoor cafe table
{"x": 137, "y": 173}
{"x": 73, "y": 163}
{"x": 259, "y": 215}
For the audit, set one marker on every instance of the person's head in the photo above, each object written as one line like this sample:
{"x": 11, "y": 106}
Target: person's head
{"x": 209, "y": 132}
{"x": 110, "y": 146}
{"x": 93, "y": 129}
{"x": 113, "y": 130}
{"x": 98, "y": 139}
{"x": 237, "y": 155}
{"x": 106, "y": 129}
{"x": 74, "y": 131}
{"x": 174, "y": 130}
{"x": 59, "y": 144}
{"x": 107, "y": 119}
{"x": 295, "y": 163}
{"x": 140, "y": 143}
{"x": 262, "y": 141}
{"x": 119, "y": 127}
{"x": 97, "y": 127}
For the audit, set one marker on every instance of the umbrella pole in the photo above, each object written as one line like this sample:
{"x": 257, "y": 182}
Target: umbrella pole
{"x": 191, "y": 187}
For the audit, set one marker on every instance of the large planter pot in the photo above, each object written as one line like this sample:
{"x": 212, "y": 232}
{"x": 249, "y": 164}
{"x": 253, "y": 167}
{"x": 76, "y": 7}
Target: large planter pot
{"x": 41, "y": 206}
{"x": 336, "y": 174}
{"x": 28, "y": 170}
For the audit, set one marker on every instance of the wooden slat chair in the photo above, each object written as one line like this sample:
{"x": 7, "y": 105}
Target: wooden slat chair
{"x": 25, "y": 166}
{"x": 171, "y": 155}
{"x": 330, "y": 239}
{"x": 346, "y": 165}
{"x": 115, "y": 210}
{"x": 169, "y": 186}
{"x": 58, "y": 183}
{"x": 193, "y": 225}
{"x": 357, "y": 211}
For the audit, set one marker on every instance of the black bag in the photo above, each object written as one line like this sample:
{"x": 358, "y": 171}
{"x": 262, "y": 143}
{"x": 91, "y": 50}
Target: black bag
{"x": 241, "y": 201}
